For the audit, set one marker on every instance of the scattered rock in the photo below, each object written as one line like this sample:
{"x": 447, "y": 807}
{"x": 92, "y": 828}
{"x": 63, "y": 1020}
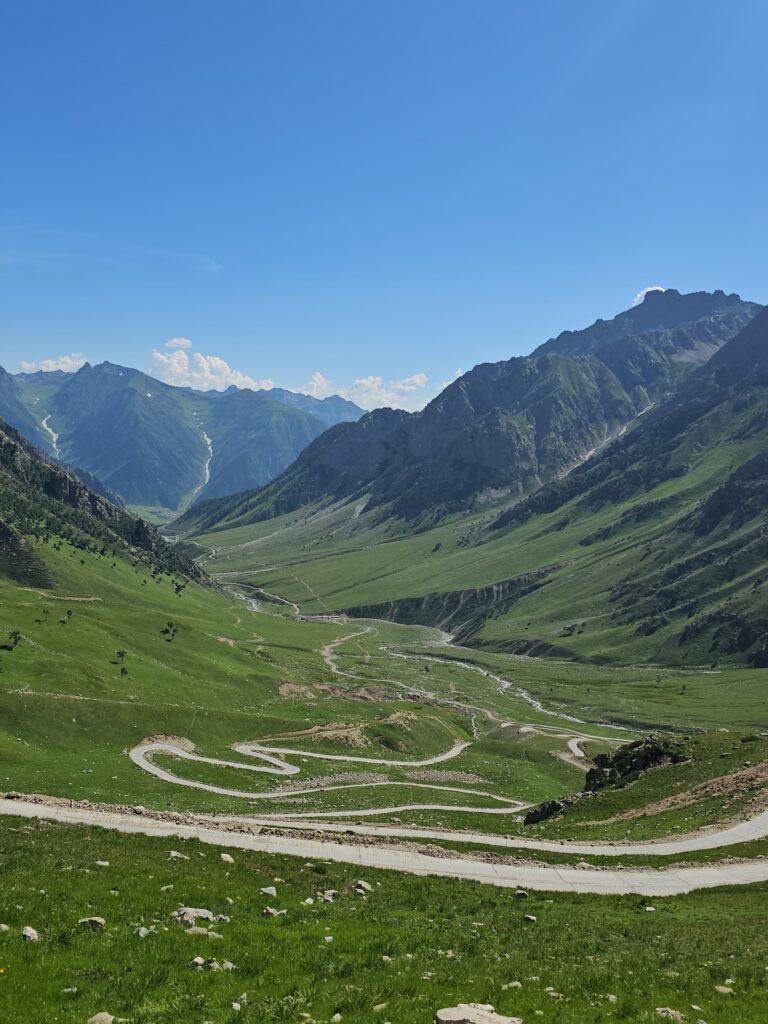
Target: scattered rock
{"x": 101, "y": 1018}
{"x": 189, "y": 915}
{"x": 30, "y": 934}
{"x": 268, "y": 890}
{"x": 198, "y": 963}
{"x": 521, "y": 894}
{"x": 530, "y": 918}
{"x": 379, "y": 1007}
{"x": 669, "y": 1014}
{"x": 473, "y": 1013}
{"x": 227, "y": 858}
{"x": 724, "y": 990}
{"x": 271, "y": 912}
{"x": 4, "y": 928}
{"x": 102, "y": 863}
{"x": 204, "y": 931}
{"x": 650, "y": 910}
{"x": 96, "y": 924}
{"x": 175, "y": 855}
{"x": 543, "y": 812}
{"x": 166, "y": 888}
{"x": 142, "y": 932}
{"x": 363, "y": 886}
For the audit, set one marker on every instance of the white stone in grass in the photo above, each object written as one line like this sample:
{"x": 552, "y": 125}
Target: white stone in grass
{"x": 365, "y": 886}
{"x": 268, "y": 890}
{"x": 30, "y": 934}
{"x": 227, "y": 858}
{"x": 102, "y": 863}
{"x": 669, "y": 1014}
{"x": 175, "y": 855}
{"x": 724, "y": 990}
{"x": 4, "y": 928}
{"x": 189, "y": 915}
{"x": 473, "y": 1013}
{"x": 96, "y": 924}
{"x": 142, "y": 932}
{"x": 101, "y": 1018}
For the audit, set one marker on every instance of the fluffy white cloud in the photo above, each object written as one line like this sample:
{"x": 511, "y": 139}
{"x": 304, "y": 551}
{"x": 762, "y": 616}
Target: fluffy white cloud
{"x": 317, "y": 386}
{"x": 178, "y": 343}
{"x": 203, "y": 373}
{"x": 373, "y": 392}
{"x": 640, "y": 297}
{"x": 68, "y": 363}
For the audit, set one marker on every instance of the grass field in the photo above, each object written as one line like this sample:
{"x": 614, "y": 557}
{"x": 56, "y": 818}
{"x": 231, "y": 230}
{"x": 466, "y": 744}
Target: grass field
{"x": 412, "y": 944}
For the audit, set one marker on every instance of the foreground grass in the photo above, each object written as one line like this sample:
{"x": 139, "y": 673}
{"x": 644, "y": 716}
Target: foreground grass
{"x": 582, "y": 947}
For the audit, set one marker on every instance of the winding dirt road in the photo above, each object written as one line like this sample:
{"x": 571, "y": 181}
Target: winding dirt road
{"x": 668, "y": 881}
{"x": 142, "y": 755}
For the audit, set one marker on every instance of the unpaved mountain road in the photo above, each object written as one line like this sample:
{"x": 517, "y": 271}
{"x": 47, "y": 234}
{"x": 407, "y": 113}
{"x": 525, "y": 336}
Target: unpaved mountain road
{"x": 142, "y": 755}
{"x": 669, "y": 881}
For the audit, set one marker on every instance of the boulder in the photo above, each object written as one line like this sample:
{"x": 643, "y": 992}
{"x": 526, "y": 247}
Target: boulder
{"x": 473, "y": 1013}
{"x": 101, "y": 1018}
{"x": 227, "y": 858}
{"x": 30, "y": 934}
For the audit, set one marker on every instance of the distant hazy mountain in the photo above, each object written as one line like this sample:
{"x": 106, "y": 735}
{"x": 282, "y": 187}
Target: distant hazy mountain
{"x": 507, "y": 427}
{"x": 157, "y": 445}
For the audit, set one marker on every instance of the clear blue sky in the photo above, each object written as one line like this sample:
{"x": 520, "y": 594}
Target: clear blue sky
{"x": 369, "y": 188}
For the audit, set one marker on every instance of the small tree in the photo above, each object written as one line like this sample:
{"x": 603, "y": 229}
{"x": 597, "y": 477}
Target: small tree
{"x": 121, "y": 655}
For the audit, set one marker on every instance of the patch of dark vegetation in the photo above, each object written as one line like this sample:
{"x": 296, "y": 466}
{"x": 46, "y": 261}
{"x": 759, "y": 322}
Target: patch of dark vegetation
{"x": 39, "y": 499}
{"x": 19, "y": 562}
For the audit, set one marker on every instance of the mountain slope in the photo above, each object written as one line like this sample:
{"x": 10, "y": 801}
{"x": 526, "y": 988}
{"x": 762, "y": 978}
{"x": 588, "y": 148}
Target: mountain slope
{"x": 157, "y": 445}
{"x": 504, "y": 427}
{"x": 40, "y": 500}
{"x": 653, "y": 550}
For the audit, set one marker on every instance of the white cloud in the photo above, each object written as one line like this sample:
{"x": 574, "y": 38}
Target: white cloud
{"x": 203, "y": 373}
{"x": 640, "y": 297}
{"x": 178, "y": 343}
{"x": 372, "y": 392}
{"x": 68, "y": 363}
{"x": 317, "y": 386}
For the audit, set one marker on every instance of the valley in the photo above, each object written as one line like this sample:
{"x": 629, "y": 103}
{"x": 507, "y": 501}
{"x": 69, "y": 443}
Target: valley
{"x": 560, "y": 692}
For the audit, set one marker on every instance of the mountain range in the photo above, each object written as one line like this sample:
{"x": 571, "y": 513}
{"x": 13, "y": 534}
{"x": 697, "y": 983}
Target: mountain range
{"x": 161, "y": 447}
{"x": 630, "y": 527}
{"x": 503, "y": 428}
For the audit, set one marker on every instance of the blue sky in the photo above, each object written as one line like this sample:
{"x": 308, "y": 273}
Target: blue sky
{"x": 346, "y": 190}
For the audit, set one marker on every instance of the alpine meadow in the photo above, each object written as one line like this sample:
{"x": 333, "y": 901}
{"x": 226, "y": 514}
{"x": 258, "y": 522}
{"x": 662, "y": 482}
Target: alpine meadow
{"x": 337, "y": 684}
